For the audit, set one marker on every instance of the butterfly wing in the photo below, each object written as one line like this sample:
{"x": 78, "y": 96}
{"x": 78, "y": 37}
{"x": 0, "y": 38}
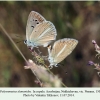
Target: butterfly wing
{"x": 62, "y": 48}
{"x": 34, "y": 19}
{"x": 43, "y": 34}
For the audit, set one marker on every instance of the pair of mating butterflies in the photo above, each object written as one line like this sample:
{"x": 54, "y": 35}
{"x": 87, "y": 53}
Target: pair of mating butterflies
{"x": 40, "y": 32}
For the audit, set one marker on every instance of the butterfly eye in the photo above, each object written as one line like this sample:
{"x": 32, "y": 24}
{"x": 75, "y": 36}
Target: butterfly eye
{"x": 25, "y": 41}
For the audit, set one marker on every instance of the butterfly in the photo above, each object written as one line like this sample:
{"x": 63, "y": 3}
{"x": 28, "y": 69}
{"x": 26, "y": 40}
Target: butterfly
{"x": 39, "y": 32}
{"x": 60, "y": 50}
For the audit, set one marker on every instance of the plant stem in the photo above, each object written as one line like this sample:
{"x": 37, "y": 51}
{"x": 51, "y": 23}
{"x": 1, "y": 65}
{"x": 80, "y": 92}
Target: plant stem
{"x": 18, "y": 50}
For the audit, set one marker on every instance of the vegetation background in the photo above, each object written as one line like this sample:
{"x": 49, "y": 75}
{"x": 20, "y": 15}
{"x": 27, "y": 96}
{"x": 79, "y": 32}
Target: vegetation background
{"x": 79, "y": 20}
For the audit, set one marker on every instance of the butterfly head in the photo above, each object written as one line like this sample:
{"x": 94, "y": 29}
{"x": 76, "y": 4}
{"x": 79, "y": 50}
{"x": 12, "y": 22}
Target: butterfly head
{"x": 30, "y": 44}
{"x": 25, "y": 41}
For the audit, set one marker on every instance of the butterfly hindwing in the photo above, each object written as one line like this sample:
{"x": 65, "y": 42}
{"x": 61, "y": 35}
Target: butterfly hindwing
{"x": 62, "y": 48}
{"x": 43, "y": 33}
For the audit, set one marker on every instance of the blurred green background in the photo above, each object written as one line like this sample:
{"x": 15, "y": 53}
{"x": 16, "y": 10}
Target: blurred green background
{"x": 79, "y": 20}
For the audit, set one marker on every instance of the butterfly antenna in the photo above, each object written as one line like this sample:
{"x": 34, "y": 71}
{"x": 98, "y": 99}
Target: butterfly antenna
{"x": 18, "y": 36}
{"x": 13, "y": 43}
{"x": 19, "y": 41}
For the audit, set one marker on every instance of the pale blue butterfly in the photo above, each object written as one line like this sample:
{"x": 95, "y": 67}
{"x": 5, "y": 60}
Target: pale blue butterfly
{"x": 60, "y": 50}
{"x": 39, "y": 32}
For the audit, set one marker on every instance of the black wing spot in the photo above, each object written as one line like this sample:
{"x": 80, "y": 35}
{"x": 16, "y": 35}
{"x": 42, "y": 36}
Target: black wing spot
{"x": 35, "y": 31}
{"x": 32, "y": 26}
{"x": 36, "y": 20}
{"x": 37, "y": 23}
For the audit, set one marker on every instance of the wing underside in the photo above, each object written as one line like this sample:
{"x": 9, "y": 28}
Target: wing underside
{"x": 43, "y": 33}
{"x": 34, "y": 19}
{"x": 62, "y": 48}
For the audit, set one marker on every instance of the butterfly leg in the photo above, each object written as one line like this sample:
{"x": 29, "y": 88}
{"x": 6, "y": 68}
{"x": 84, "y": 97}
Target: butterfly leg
{"x": 45, "y": 57}
{"x": 39, "y": 51}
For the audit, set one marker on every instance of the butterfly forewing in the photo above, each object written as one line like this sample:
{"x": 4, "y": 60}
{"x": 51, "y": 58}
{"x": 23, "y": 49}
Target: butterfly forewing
{"x": 62, "y": 48}
{"x": 34, "y": 19}
{"x": 43, "y": 33}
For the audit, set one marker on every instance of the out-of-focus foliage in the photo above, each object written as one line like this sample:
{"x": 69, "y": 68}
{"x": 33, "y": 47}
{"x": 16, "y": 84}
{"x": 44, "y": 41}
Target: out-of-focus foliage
{"x": 79, "y": 20}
